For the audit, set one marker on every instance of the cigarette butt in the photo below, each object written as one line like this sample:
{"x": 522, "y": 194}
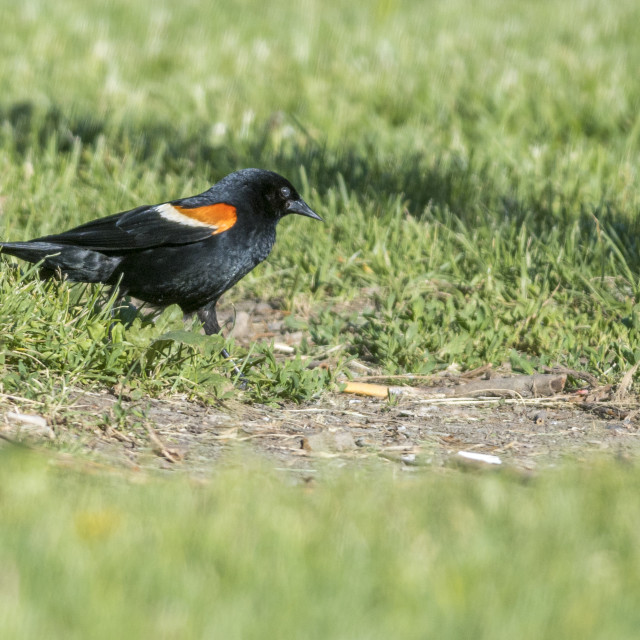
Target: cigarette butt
{"x": 367, "y": 389}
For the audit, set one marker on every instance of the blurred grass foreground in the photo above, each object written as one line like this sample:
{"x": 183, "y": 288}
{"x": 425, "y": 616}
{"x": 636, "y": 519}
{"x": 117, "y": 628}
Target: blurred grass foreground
{"x": 357, "y": 555}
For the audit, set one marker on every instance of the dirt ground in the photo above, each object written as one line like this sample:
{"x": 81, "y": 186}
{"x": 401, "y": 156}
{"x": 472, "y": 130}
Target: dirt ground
{"x": 410, "y": 432}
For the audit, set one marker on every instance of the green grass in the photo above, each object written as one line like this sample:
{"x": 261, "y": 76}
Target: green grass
{"x": 363, "y": 554}
{"x": 477, "y": 165}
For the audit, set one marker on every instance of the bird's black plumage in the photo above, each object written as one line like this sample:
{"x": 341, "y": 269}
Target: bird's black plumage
{"x": 186, "y": 252}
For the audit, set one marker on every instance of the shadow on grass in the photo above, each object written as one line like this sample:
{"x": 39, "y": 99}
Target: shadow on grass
{"x": 465, "y": 187}
{"x": 364, "y": 169}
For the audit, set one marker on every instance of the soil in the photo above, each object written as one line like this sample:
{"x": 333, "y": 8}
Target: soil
{"x": 411, "y": 432}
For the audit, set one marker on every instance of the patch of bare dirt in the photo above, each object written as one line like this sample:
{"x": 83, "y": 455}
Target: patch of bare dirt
{"x": 410, "y": 431}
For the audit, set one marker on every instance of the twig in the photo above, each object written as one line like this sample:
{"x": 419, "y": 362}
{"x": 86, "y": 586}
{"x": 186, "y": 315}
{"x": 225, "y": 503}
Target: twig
{"x": 621, "y": 392}
{"x": 580, "y": 375}
{"x": 402, "y": 376}
{"x": 160, "y": 447}
{"x": 477, "y": 372}
{"x": 545, "y": 402}
{"x": 606, "y": 411}
{"x": 20, "y": 399}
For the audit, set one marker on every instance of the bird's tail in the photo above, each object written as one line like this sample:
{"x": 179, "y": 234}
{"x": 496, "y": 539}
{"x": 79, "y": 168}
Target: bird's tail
{"x": 78, "y": 264}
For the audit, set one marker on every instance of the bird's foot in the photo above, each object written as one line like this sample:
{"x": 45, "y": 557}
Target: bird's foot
{"x": 241, "y": 379}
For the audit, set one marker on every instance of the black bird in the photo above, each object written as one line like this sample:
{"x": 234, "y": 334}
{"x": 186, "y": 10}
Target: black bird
{"x": 186, "y": 252}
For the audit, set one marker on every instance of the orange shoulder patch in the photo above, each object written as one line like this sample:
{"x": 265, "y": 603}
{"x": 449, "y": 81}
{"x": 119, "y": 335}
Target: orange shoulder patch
{"x": 221, "y": 216}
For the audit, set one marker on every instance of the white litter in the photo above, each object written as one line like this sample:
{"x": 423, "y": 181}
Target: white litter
{"x": 25, "y": 418}
{"x": 31, "y": 425}
{"x": 480, "y": 457}
{"x": 283, "y": 348}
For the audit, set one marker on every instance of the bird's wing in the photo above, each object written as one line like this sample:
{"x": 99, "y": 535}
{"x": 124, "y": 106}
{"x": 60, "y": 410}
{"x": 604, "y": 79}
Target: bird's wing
{"x": 170, "y": 223}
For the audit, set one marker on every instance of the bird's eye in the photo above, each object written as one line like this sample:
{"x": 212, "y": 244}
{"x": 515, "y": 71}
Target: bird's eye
{"x": 285, "y": 192}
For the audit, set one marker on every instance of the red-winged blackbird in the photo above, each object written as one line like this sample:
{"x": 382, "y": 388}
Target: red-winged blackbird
{"x": 186, "y": 252}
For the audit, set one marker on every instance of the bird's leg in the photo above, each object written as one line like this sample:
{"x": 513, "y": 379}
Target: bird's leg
{"x": 118, "y": 294}
{"x": 207, "y": 315}
{"x": 116, "y": 308}
{"x": 124, "y": 312}
{"x": 119, "y": 305}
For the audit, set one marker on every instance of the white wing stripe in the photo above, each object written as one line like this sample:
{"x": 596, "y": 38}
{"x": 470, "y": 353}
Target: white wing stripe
{"x": 168, "y": 212}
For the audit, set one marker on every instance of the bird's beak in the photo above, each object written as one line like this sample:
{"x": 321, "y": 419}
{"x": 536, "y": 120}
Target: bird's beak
{"x": 302, "y": 209}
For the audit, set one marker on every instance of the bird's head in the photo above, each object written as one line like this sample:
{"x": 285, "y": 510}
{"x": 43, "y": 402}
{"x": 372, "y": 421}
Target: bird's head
{"x": 270, "y": 195}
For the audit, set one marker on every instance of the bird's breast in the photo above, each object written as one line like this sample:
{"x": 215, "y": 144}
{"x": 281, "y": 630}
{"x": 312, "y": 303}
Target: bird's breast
{"x": 193, "y": 275}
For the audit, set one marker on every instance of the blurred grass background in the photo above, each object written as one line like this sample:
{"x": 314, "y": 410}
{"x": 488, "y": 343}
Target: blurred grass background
{"x": 477, "y": 166}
